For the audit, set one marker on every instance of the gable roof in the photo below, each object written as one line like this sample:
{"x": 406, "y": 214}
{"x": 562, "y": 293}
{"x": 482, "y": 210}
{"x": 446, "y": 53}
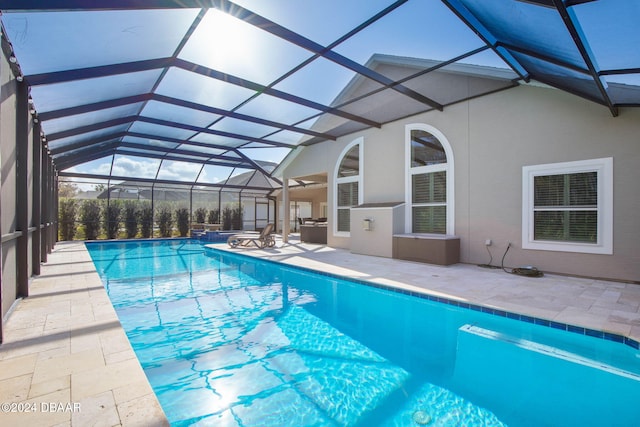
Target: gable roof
{"x": 445, "y": 83}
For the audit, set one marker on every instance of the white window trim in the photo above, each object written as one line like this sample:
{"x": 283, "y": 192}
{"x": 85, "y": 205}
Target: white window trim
{"x": 358, "y": 178}
{"x": 410, "y": 171}
{"x": 604, "y": 168}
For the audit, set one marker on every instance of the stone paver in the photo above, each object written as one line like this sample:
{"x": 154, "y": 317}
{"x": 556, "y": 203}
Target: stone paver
{"x": 599, "y": 304}
{"x": 66, "y": 355}
{"x": 66, "y": 359}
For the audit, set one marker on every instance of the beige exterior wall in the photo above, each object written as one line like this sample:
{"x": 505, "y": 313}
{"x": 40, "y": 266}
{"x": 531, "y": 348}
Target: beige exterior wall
{"x": 492, "y": 138}
{"x": 377, "y": 241}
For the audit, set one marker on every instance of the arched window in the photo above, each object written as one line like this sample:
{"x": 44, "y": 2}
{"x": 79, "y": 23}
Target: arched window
{"x": 429, "y": 181}
{"x": 348, "y": 186}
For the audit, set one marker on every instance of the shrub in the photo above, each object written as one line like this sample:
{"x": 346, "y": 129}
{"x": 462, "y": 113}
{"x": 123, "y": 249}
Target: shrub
{"x": 165, "y": 222}
{"x": 227, "y": 214}
{"x": 90, "y": 218}
{"x": 182, "y": 221}
{"x": 214, "y": 216}
{"x": 145, "y": 216}
{"x": 131, "y": 219}
{"x": 112, "y": 219}
{"x": 200, "y": 215}
{"x": 236, "y": 219}
{"x": 67, "y": 218}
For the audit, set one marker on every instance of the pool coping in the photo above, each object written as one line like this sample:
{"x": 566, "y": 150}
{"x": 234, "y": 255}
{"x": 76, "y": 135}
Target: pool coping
{"x": 64, "y": 344}
{"x": 426, "y": 295}
{"x": 18, "y": 365}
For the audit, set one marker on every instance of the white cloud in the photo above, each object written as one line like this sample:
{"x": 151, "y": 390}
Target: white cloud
{"x": 125, "y": 166}
{"x": 179, "y": 171}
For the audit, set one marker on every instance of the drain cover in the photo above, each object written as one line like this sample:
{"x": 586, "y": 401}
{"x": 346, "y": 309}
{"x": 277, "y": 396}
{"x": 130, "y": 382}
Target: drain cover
{"x": 421, "y": 418}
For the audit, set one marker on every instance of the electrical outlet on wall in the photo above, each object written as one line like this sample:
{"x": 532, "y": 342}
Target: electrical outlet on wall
{"x": 488, "y": 242}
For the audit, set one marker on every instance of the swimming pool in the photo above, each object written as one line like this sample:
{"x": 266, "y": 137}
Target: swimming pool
{"x": 228, "y": 340}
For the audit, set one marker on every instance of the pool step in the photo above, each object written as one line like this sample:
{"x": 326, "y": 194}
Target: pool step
{"x": 525, "y": 382}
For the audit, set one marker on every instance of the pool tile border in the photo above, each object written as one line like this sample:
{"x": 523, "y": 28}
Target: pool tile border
{"x": 608, "y": 336}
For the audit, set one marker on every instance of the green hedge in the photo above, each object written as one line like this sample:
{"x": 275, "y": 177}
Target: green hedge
{"x": 68, "y": 209}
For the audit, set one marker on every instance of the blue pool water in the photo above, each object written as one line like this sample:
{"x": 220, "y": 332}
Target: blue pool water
{"x": 227, "y": 340}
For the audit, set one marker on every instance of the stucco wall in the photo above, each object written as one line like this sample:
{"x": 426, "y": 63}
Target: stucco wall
{"x": 378, "y": 239}
{"x": 492, "y": 138}
{"x": 537, "y": 126}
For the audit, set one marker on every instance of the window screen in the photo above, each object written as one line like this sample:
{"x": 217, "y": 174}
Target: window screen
{"x": 350, "y": 164}
{"x": 429, "y": 189}
{"x": 347, "y": 197}
{"x": 428, "y": 181}
{"x": 566, "y": 207}
{"x": 426, "y": 149}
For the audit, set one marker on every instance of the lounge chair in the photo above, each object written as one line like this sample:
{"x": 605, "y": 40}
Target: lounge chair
{"x": 263, "y": 240}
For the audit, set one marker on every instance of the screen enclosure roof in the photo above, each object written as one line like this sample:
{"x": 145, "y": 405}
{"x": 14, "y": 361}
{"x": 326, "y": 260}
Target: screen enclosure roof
{"x": 215, "y": 93}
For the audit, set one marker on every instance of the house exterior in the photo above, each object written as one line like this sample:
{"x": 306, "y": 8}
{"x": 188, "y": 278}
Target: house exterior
{"x": 549, "y": 176}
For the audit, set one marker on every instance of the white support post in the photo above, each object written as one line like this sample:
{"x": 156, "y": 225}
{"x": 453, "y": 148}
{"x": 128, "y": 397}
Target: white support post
{"x": 286, "y": 211}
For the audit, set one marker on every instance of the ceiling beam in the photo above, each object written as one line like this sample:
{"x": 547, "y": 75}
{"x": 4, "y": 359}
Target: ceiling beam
{"x": 228, "y": 78}
{"x": 199, "y": 129}
{"x": 86, "y": 151}
{"x": 78, "y": 5}
{"x": 99, "y": 71}
{"x": 169, "y": 156}
{"x": 180, "y": 141}
{"x": 93, "y": 148}
{"x": 568, "y": 17}
{"x": 256, "y": 165}
{"x": 417, "y": 74}
{"x": 85, "y": 143}
{"x": 543, "y": 57}
{"x": 66, "y": 163}
{"x": 90, "y": 128}
{"x": 239, "y": 116}
{"x": 316, "y": 48}
{"x": 461, "y": 11}
{"x": 112, "y": 103}
{"x": 151, "y": 64}
{"x": 180, "y": 151}
{"x": 130, "y": 119}
{"x": 119, "y": 135}
{"x": 96, "y": 106}
{"x": 152, "y": 181}
{"x": 619, "y": 71}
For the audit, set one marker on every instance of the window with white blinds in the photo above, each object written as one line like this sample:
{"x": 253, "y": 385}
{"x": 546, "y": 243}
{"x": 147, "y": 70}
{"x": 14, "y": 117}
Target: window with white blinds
{"x": 348, "y": 186}
{"x": 428, "y": 187}
{"x": 429, "y": 202}
{"x": 347, "y": 198}
{"x": 568, "y": 206}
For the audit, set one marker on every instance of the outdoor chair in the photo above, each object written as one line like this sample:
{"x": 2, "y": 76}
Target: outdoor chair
{"x": 263, "y": 240}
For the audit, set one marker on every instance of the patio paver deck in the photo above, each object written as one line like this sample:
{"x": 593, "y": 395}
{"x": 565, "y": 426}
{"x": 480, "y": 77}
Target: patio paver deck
{"x": 64, "y": 344}
{"x": 66, "y": 359}
{"x": 591, "y": 303}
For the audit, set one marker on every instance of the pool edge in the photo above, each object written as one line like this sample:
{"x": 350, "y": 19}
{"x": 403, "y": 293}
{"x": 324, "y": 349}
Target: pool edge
{"x": 66, "y": 338}
{"x": 425, "y": 294}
